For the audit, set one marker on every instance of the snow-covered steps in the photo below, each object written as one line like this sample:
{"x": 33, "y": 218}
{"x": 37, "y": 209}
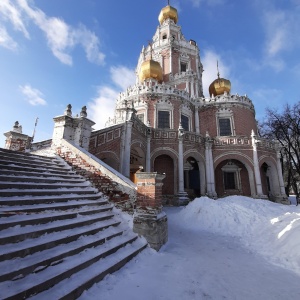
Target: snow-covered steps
{"x": 55, "y": 227}
{"x": 25, "y": 200}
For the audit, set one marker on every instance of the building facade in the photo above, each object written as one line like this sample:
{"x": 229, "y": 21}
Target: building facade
{"x": 204, "y": 146}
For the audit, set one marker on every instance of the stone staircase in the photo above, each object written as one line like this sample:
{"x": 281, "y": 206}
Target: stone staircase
{"x": 58, "y": 234}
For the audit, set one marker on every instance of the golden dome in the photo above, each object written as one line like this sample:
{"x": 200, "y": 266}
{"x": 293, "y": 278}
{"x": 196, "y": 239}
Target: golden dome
{"x": 168, "y": 12}
{"x": 219, "y": 86}
{"x": 151, "y": 69}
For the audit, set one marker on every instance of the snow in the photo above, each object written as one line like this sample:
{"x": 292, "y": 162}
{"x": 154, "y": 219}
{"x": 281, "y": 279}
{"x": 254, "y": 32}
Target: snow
{"x": 231, "y": 248}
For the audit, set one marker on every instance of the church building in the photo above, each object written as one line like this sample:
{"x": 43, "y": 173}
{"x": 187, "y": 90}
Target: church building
{"x": 164, "y": 124}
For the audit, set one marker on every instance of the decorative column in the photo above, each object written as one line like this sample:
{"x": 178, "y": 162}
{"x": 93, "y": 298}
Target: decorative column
{"x": 127, "y": 147}
{"x": 197, "y": 123}
{"x": 187, "y": 85}
{"x": 259, "y": 192}
{"x": 149, "y": 220}
{"x": 193, "y": 88}
{"x": 126, "y": 141}
{"x": 148, "y": 153}
{"x": 282, "y": 197}
{"x": 210, "y": 177}
{"x": 182, "y": 195}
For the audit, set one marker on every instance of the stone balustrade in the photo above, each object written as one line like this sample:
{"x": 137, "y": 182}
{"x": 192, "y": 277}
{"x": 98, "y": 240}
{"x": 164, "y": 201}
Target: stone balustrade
{"x": 137, "y": 90}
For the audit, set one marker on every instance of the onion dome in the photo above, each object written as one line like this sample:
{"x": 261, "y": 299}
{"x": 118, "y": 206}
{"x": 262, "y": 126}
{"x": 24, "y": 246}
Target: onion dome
{"x": 151, "y": 69}
{"x": 219, "y": 86}
{"x": 168, "y": 12}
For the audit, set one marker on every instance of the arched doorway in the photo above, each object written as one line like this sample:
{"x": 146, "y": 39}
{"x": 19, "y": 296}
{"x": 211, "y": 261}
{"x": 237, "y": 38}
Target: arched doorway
{"x": 232, "y": 178}
{"x": 192, "y": 177}
{"x": 164, "y": 164}
{"x": 270, "y": 180}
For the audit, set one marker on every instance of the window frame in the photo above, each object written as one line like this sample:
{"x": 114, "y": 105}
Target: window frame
{"x": 222, "y": 129}
{"x": 158, "y": 119}
{"x": 225, "y": 113}
{"x": 163, "y": 105}
{"x": 188, "y": 122}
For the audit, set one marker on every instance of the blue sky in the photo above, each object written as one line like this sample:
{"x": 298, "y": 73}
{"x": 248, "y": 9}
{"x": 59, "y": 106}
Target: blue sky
{"x": 84, "y": 52}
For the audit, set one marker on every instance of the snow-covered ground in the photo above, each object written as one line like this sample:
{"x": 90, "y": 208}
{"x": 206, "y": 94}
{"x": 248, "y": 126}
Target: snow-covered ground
{"x": 232, "y": 248}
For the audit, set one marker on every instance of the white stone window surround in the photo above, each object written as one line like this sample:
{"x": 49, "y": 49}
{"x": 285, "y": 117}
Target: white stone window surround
{"x": 186, "y": 111}
{"x": 141, "y": 109}
{"x": 225, "y": 113}
{"x": 144, "y": 113}
{"x": 231, "y": 167}
{"x": 185, "y": 59}
{"x": 164, "y": 105}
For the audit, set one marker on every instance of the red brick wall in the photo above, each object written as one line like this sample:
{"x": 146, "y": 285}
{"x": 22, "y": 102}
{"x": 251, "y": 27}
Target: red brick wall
{"x": 244, "y": 120}
{"x": 105, "y": 144}
{"x": 149, "y": 193}
{"x": 99, "y": 180}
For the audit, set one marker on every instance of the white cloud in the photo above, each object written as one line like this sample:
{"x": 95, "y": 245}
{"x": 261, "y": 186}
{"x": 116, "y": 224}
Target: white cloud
{"x": 6, "y": 41}
{"x": 10, "y": 12}
{"x": 102, "y": 106}
{"x": 122, "y": 76}
{"x": 61, "y": 37}
{"x": 209, "y": 61}
{"x": 281, "y": 27}
{"x": 196, "y": 3}
{"x": 90, "y": 43}
{"x": 33, "y": 96}
{"x": 277, "y": 31}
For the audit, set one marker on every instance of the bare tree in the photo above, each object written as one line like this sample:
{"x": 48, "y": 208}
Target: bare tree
{"x": 285, "y": 128}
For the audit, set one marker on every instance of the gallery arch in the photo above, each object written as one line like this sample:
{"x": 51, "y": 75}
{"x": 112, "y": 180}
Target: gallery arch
{"x": 269, "y": 180}
{"x": 233, "y": 178}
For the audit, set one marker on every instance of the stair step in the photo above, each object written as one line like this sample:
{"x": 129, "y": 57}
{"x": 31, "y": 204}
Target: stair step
{"x": 42, "y": 173}
{"x": 37, "y": 169}
{"x": 13, "y": 210}
{"x": 37, "y": 185}
{"x": 31, "y": 200}
{"x": 50, "y": 240}
{"x": 73, "y": 287}
{"x": 32, "y": 165}
{"x": 28, "y": 264}
{"x": 47, "y": 192}
{"x": 13, "y": 178}
{"x": 16, "y": 234}
{"x": 24, "y": 154}
{"x": 34, "y": 219}
{"x": 30, "y": 159}
{"x": 34, "y": 283}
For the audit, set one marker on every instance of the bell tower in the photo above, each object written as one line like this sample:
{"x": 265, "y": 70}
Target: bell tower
{"x": 179, "y": 58}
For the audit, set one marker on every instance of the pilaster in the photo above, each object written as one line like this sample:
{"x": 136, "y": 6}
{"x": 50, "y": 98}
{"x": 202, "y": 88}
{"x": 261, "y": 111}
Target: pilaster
{"x": 259, "y": 193}
{"x": 182, "y": 195}
{"x": 210, "y": 176}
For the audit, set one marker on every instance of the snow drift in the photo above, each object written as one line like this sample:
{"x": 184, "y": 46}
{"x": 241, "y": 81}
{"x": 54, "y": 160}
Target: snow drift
{"x": 264, "y": 227}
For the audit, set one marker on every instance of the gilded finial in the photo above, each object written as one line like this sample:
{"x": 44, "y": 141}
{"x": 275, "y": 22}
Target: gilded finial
{"x": 218, "y": 69}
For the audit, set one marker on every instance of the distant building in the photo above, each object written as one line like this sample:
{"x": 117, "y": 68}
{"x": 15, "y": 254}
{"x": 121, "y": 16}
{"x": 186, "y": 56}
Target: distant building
{"x": 205, "y": 146}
